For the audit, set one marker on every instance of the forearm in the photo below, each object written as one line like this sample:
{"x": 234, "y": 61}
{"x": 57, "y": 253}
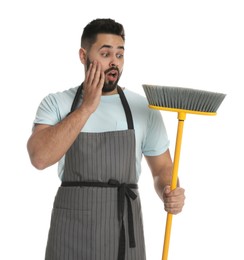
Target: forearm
{"x": 162, "y": 168}
{"x": 48, "y": 145}
{"x": 161, "y": 180}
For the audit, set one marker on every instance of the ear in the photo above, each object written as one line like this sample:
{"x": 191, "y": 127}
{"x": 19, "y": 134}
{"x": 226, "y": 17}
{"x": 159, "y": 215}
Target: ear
{"x": 82, "y": 54}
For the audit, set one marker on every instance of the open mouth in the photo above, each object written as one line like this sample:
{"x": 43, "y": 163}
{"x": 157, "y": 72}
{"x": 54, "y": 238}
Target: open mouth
{"x": 112, "y": 75}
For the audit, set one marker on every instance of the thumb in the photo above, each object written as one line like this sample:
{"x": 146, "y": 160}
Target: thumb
{"x": 166, "y": 189}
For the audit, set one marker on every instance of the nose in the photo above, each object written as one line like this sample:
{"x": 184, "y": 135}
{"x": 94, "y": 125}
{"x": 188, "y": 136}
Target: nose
{"x": 114, "y": 62}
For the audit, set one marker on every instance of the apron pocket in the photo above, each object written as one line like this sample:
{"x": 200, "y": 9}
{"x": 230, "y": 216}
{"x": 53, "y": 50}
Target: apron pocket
{"x": 69, "y": 235}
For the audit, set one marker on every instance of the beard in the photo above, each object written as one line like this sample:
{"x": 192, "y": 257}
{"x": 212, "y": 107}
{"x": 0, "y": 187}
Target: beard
{"x": 109, "y": 85}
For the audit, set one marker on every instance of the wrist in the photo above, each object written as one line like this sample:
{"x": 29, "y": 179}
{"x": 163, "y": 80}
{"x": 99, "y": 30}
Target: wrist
{"x": 85, "y": 111}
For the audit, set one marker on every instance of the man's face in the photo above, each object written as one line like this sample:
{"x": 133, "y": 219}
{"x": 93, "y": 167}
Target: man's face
{"x": 108, "y": 50}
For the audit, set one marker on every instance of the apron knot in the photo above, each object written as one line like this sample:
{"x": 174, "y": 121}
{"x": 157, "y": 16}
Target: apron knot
{"x": 125, "y": 192}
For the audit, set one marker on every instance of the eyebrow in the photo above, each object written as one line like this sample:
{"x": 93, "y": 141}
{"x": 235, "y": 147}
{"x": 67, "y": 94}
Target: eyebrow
{"x": 110, "y": 47}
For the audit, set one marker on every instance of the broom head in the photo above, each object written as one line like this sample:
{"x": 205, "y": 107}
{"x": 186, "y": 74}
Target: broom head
{"x": 179, "y": 99}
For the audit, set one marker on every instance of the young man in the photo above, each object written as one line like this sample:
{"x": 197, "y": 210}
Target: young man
{"x": 98, "y": 133}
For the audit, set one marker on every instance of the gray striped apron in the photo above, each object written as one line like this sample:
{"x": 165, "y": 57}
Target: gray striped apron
{"x": 97, "y": 211}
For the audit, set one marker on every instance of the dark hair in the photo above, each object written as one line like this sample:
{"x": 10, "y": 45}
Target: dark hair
{"x": 97, "y": 26}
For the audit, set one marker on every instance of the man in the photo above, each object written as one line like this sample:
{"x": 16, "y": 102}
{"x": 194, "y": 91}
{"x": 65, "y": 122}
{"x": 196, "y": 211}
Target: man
{"x": 98, "y": 133}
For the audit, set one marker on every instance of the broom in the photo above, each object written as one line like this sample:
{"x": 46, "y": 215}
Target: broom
{"x": 182, "y": 101}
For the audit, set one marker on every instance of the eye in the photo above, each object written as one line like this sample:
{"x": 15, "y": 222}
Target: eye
{"x": 120, "y": 55}
{"x": 104, "y": 54}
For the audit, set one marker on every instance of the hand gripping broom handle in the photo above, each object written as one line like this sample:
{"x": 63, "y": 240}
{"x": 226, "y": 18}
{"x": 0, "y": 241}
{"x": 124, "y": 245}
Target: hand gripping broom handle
{"x": 181, "y": 118}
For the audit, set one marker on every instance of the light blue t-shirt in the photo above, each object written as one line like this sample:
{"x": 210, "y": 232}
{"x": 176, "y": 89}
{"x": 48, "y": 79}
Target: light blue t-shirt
{"x": 151, "y": 135}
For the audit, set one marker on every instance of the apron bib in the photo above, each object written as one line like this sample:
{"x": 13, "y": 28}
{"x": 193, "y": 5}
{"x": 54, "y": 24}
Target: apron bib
{"x": 97, "y": 210}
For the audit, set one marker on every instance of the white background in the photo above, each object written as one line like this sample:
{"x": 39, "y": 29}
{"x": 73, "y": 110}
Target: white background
{"x": 192, "y": 43}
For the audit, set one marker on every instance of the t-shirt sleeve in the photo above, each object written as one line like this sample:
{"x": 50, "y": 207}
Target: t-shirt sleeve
{"x": 156, "y": 140}
{"x": 48, "y": 112}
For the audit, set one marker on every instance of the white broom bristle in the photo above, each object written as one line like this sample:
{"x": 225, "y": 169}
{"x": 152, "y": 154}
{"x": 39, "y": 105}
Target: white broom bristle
{"x": 183, "y": 98}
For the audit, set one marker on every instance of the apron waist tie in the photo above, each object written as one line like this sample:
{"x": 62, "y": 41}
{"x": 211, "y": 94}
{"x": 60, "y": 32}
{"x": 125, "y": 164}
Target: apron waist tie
{"x": 124, "y": 191}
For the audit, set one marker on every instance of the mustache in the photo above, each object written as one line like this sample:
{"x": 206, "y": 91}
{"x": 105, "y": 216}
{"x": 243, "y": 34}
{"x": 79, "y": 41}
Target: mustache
{"x": 110, "y": 69}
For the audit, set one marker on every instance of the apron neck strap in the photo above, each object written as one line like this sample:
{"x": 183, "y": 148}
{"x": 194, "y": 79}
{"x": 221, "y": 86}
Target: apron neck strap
{"x": 77, "y": 98}
{"x": 126, "y": 108}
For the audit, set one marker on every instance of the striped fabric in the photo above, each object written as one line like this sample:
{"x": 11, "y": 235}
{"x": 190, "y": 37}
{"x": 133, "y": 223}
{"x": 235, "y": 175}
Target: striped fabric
{"x": 102, "y": 156}
{"x": 84, "y": 223}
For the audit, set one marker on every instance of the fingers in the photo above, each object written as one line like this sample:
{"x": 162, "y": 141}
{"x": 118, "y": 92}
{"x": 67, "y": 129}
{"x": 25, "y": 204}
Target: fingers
{"x": 93, "y": 85}
{"x": 95, "y": 75}
{"x": 173, "y": 200}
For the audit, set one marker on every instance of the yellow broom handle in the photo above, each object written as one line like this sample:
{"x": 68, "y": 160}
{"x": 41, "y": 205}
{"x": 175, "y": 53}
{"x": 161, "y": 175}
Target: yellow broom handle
{"x": 181, "y": 118}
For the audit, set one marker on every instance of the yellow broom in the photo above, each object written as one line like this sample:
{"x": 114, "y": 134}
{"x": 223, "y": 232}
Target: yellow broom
{"x": 182, "y": 101}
